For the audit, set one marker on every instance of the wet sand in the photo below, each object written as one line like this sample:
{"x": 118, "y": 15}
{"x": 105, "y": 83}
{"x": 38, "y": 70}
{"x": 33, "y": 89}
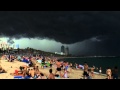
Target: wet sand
{"x": 76, "y": 74}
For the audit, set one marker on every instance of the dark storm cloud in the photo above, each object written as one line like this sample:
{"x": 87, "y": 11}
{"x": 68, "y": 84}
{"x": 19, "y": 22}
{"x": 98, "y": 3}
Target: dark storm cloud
{"x": 63, "y": 26}
{"x": 10, "y": 41}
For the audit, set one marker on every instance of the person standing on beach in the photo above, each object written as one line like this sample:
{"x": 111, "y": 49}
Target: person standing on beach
{"x": 43, "y": 63}
{"x": 76, "y": 66}
{"x": 9, "y": 58}
{"x": 85, "y": 73}
{"x": 115, "y": 72}
{"x": 100, "y": 70}
{"x": 51, "y": 63}
{"x": 62, "y": 65}
{"x": 66, "y": 66}
{"x": 92, "y": 71}
{"x": 71, "y": 67}
{"x": 58, "y": 69}
{"x": 109, "y": 73}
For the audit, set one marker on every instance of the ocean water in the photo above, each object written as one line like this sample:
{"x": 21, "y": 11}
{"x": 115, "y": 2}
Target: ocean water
{"x": 102, "y": 62}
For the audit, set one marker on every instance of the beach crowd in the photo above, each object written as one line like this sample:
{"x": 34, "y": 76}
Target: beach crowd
{"x": 33, "y": 64}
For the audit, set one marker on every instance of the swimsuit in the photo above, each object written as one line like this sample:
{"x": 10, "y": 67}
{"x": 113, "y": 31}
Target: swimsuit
{"x": 58, "y": 69}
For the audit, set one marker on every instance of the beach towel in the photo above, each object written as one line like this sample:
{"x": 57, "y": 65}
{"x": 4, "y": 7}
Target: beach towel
{"x": 39, "y": 61}
{"x": 42, "y": 64}
{"x": 16, "y": 72}
{"x": 81, "y": 66}
{"x": 48, "y": 64}
{"x": 27, "y": 77}
{"x": 25, "y": 60}
{"x": 18, "y": 77}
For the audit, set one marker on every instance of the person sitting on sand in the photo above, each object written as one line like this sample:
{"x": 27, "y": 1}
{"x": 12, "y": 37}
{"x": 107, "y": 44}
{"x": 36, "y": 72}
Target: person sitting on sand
{"x": 33, "y": 73}
{"x": 30, "y": 63}
{"x": 33, "y": 62}
{"x": 17, "y": 73}
{"x": 19, "y": 58}
{"x": 41, "y": 75}
{"x": 36, "y": 68}
{"x": 51, "y": 75}
{"x": 21, "y": 68}
{"x": 58, "y": 69}
{"x": 24, "y": 67}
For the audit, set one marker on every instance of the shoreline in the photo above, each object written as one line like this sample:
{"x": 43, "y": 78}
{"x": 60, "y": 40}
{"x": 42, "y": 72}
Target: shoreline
{"x": 85, "y": 57}
{"x": 103, "y": 74}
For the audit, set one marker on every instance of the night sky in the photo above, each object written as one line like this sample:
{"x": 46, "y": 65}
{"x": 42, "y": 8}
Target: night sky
{"x": 84, "y": 32}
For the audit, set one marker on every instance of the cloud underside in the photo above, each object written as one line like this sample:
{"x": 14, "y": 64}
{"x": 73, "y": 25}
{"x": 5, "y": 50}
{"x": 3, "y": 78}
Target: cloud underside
{"x": 63, "y": 26}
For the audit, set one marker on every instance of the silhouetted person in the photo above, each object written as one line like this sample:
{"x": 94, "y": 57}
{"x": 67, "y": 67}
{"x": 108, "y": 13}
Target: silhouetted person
{"x": 115, "y": 73}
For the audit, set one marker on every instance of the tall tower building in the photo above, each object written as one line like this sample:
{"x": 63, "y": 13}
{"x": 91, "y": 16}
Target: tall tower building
{"x": 67, "y": 51}
{"x": 62, "y": 49}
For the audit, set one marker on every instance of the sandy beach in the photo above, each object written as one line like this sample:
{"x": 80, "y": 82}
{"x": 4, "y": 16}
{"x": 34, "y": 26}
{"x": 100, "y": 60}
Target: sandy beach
{"x": 10, "y": 67}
